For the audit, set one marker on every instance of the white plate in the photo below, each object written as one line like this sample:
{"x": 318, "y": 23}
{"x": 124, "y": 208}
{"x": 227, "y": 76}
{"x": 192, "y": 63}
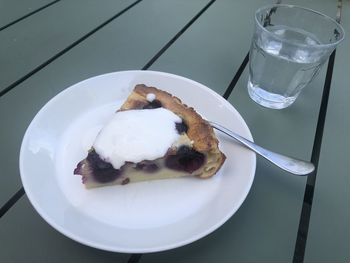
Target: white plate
{"x": 134, "y": 218}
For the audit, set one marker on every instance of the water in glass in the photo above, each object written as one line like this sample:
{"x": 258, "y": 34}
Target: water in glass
{"x": 278, "y": 72}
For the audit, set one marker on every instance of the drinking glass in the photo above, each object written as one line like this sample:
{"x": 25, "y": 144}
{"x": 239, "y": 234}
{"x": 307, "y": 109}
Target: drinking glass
{"x": 289, "y": 46}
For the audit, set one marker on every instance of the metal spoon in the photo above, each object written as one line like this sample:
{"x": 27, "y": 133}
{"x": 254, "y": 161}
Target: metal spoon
{"x": 286, "y": 163}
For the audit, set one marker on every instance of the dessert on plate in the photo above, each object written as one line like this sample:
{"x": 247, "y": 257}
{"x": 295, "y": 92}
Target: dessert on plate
{"x": 152, "y": 136}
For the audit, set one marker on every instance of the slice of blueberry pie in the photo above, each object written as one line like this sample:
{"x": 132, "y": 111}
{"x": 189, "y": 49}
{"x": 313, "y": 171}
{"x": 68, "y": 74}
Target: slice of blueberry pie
{"x": 152, "y": 136}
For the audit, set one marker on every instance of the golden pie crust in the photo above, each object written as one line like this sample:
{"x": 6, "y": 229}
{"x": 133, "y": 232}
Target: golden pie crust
{"x": 199, "y": 130}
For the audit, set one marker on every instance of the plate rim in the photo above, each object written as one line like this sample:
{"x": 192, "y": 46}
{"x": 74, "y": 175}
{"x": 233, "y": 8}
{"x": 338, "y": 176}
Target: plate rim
{"x": 125, "y": 249}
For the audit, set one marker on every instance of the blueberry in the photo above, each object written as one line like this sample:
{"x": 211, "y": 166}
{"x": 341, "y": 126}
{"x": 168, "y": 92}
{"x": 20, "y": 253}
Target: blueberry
{"x": 103, "y": 172}
{"x": 126, "y": 181}
{"x": 186, "y": 159}
{"x": 147, "y": 166}
{"x": 153, "y": 105}
{"x": 181, "y": 127}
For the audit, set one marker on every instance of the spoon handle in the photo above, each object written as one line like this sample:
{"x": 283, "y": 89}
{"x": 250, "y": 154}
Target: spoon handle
{"x": 289, "y": 164}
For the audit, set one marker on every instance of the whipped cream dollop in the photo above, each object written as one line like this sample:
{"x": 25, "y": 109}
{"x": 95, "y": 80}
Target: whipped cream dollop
{"x": 137, "y": 135}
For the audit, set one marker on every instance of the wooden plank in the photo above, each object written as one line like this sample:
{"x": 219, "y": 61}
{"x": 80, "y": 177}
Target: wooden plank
{"x": 329, "y": 232}
{"x": 11, "y": 10}
{"x": 28, "y": 238}
{"x": 26, "y": 45}
{"x": 214, "y": 47}
{"x": 265, "y": 228}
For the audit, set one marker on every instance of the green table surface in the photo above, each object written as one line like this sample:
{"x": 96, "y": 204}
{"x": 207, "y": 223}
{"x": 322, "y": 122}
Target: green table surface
{"x": 13, "y": 11}
{"x": 46, "y": 46}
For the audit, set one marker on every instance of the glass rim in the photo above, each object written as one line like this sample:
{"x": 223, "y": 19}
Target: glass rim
{"x": 333, "y": 21}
